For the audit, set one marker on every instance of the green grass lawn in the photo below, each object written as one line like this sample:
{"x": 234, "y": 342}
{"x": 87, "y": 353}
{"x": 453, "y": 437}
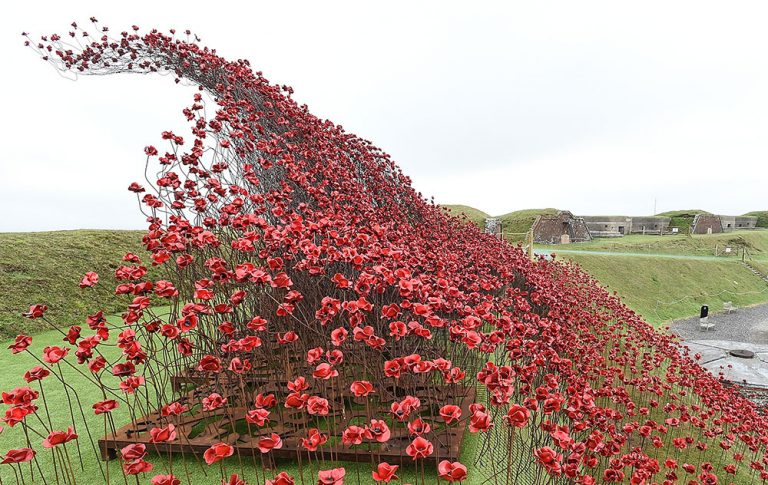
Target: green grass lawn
{"x": 46, "y": 267}
{"x": 662, "y": 290}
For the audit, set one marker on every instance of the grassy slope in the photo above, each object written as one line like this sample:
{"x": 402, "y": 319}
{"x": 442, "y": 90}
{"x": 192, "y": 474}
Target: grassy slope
{"x": 762, "y": 217}
{"x": 514, "y": 224}
{"x": 475, "y": 215}
{"x": 682, "y": 218}
{"x": 665, "y": 289}
{"x": 522, "y": 220}
{"x": 46, "y": 267}
{"x": 756, "y": 243}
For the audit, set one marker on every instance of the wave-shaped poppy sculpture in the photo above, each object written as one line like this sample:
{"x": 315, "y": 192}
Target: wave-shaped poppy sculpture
{"x": 314, "y": 306}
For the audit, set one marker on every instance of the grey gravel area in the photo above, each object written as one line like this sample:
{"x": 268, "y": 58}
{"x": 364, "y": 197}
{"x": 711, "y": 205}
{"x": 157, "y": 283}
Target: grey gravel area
{"x": 742, "y": 325}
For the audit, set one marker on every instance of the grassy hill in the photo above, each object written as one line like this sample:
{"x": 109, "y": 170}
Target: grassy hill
{"x": 682, "y": 219}
{"x": 514, "y": 224}
{"x": 521, "y": 221}
{"x": 762, "y": 217}
{"x": 46, "y": 267}
{"x": 477, "y": 216}
{"x": 662, "y": 290}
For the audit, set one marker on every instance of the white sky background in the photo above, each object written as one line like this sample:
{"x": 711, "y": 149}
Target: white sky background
{"x": 595, "y": 107}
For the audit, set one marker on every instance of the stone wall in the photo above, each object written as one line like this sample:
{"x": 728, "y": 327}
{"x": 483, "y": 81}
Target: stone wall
{"x": 706, "y": 224}
{"x": 737, "y": 223}
{"x": 608, "y": 226}
{"x": 650, "y": 225}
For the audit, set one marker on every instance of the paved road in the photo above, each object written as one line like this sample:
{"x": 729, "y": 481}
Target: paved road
{"x": 743, "y": 325}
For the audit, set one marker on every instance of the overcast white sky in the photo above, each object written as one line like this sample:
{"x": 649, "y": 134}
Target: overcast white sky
{"x": 595, "y": 107}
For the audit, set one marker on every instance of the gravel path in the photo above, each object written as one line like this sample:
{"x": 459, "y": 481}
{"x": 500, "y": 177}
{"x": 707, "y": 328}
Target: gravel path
{"x": 742, "y": 325}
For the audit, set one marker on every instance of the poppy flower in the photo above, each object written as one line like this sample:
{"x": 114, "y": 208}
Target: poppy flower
{"x": 324, "y": 371}
{"x": 239, "y": 366}
{"x": 313, "y": 355}
{"x": 331, "y": 477}
{"x": 419, "y": 448}
{"x": 352, "y": 435}
{"x": 317, "y": 406}
{"x": 269, "y": 443}
{"x": 20, "y": 344}
{"x": 338, "y": 336}
{"x": 361, "y": 388}
{"x": 281, "y": 478}
{"x": 214, "y": 401}
{"x": 36, "y": 373}
{"x": 385, "y": 472}
{"x": 106, "y": 406}
{"x": 287, "y": 338}
{"x": 89, "y": 280}
{"x": 296, "y": 400}
{"x": 209, "y": 363}
{"x": 265, "y": 401}
{"x": 18, "y": 455}
{"x": 217, "y": 452}
{"x": 377, "y": 430}
{"x": 257, "y": 416}
{"x": 54, "y": 354}
{"x": 73, "y": 334}
{"x": 56, "y": 438}
{"x": 418, "y": 427}
{"x": 314, "y": 439}
{"x": 161, "y": 435}
{"x": 20, "y": 396}
{"x": 452, "y": 471}
{"x": 165, "y": 480}
{"x": 549, "y": 459}
{"x": 136, "y": 467}
{"x": 450, "y": 413}
{"x": 35, "y": 311}
{"x": 480, "y": 421}
{"x": 173, "y": 409}
{"x": 517, "y": 416}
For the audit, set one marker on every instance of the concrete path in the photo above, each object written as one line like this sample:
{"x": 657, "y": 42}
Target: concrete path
{"x": 743, "y": 325}
{"x": 750, "y": 369}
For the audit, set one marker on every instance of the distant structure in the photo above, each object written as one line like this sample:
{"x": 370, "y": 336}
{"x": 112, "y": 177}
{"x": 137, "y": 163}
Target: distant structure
{"x": 618, "y": 226}
{"x": 561, "y": 228}
{"x": 737, "y": 223}
{"x": 714, "y": 224}
{"x": 706, "y": 224}
{"x": 565, "y": 228}
{"x": 493, "y": 226}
